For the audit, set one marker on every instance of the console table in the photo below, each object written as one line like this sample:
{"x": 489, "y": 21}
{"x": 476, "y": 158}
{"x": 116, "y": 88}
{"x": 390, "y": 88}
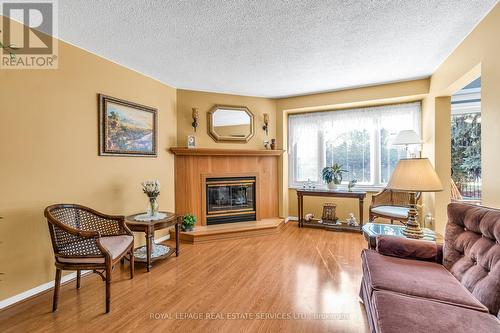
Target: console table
{"x": 360, "y": 195}
{"x": 149, "y": 228}
{"x": 372, "y": 230}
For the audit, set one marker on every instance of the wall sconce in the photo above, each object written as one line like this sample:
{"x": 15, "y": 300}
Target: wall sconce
{"x": 195, "y": 114}
{"x": 266, "y": 123}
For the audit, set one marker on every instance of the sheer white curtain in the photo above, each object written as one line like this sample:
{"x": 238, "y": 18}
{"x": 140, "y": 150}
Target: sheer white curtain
{"x": 359, "y": 139}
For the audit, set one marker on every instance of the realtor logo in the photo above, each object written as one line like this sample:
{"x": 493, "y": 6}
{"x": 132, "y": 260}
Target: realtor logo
{"x": 28, "y": 35}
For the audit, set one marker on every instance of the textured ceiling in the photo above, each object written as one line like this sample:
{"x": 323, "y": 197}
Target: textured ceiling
{"x": 272, "y": 48}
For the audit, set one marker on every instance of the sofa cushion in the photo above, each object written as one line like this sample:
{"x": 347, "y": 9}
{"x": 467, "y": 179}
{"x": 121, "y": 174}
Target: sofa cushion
{"x": 400, "y": 212}
{"x": 407, "y": 248}
{"x": 401, "y": 313}
{"x": 415, "y": 278}
{"x": 472, "y": 251}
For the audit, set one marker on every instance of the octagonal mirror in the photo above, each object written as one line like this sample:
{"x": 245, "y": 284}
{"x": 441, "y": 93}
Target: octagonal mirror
{"x": 230, "y": 123}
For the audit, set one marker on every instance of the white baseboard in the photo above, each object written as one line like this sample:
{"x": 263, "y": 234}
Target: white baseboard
{"x": 37, "y": 290}
{"x": 49, "y": 285}
{"x": 291, "y": 218}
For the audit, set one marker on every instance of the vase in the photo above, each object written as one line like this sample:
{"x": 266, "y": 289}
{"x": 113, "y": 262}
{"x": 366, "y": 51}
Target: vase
{"x": 331, "y": 185}
{"x": 153, "y": 206}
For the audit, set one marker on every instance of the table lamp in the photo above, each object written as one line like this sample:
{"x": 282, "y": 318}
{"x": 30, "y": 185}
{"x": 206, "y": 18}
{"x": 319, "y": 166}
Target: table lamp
{"x": 414, "y": 175}
{"x": 405, "y": 138}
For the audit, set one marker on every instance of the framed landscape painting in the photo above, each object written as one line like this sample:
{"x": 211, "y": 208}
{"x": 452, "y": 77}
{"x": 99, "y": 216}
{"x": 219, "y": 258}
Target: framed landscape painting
{"x": 126, "y": 129}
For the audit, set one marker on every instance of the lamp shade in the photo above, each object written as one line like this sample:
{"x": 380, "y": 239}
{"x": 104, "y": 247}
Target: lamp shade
{"x": 406, "y": 137}
{"x": 415, "y": 175}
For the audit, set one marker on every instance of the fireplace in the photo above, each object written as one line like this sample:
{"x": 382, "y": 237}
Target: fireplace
{"x": 230, "y": 199}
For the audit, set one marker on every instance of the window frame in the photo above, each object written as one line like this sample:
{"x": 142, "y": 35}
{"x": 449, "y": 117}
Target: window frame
{"x": 375, "y": 152}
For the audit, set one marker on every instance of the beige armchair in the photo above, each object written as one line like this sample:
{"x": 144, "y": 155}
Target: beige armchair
{"x": 84, "y": 239}
{"x": 391, "y": 205}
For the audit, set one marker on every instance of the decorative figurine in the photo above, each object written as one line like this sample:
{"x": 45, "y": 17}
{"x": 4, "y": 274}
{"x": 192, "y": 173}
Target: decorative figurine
{"x": 308, "y": 217}
{"x": 351, "y": 220}
{"x": 308, "y": 184}
{"x": 351, "y": 184}
{"x": 273, "y": 144}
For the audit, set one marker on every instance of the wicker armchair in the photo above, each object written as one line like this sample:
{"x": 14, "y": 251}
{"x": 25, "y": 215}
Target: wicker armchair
{"x": 392, "y": 205}
{"x": 84, "y": 239}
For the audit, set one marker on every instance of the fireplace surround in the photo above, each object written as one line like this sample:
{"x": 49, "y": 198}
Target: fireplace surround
{"x": 230, "y": 199}
{"x": 193, "y": 166}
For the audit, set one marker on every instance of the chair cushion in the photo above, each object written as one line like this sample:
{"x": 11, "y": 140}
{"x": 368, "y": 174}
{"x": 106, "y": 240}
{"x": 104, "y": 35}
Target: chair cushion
{"x": 401, "y": 313}
{"x": 116, "y": 245}
{"x": 395, "y": 211}
{"x": 82, "y": 260}
{"x": 415, "y": 278}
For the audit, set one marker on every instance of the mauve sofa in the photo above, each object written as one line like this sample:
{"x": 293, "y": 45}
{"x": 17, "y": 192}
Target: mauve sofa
{"x": 417, "y": 286}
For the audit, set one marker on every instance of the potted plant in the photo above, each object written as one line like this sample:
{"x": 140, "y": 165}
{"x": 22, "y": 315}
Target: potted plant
{"x": 332, "y": 175}
{"x": 188, "y": 222}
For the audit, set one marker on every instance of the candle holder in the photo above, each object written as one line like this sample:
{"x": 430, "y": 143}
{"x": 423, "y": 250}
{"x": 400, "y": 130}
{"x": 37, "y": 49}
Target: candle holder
{"x": 265, "y": 127}
{"x": 196, "y": 115}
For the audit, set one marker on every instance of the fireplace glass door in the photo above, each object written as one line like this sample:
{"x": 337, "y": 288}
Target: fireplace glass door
{"x": 230, "y": 199}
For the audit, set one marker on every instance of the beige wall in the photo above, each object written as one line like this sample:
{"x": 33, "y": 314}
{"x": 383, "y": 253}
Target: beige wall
{"x": 366, "y": 96}
{"x": 204, "y": 101}
{"x": 48, "y": 135}
{"x": 477, "y": 55}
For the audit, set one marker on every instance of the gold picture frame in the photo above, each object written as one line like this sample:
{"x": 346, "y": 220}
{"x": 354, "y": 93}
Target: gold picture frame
{"x": 126, "y": 128}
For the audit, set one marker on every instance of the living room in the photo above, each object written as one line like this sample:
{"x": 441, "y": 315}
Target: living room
{"x": 250, "y": 166}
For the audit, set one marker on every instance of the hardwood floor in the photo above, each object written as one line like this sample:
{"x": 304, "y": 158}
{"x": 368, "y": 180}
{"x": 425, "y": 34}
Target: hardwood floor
{"x": 283, "y": 280}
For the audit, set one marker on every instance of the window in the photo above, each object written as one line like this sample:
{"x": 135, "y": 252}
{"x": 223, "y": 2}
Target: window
{"x": 466, "y": 181}
{"x": 358, "y": 139}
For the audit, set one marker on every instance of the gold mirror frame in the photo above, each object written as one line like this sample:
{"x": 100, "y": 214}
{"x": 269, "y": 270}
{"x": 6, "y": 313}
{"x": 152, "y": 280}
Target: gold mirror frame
{"x": 220, "y": 138}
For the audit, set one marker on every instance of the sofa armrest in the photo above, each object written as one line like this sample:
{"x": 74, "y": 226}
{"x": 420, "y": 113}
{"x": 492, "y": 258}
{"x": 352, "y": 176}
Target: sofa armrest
{"x": 408, "y": 248}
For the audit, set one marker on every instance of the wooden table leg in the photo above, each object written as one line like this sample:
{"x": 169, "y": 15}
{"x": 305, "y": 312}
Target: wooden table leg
{"x": 361, "y": 204}
{"x": 149, "y": 248}
{"x": 302, "y": 210}
{"x": 298, "y": 210}
{"x": 177, "y": 241}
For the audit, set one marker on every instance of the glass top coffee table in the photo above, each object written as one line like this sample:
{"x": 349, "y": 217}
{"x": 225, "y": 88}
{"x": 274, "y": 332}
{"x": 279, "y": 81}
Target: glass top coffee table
{"x": 372, "y": 230}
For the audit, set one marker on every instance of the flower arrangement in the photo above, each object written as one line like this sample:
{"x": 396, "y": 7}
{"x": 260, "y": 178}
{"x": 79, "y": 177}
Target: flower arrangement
{"x": 188, "y": 222}
{"x": 152, "y": 189}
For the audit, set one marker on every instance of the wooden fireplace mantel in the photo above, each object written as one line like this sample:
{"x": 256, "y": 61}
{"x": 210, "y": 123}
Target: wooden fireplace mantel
{"x": 183, "y": 151}
{"x": 194, "y": 165}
